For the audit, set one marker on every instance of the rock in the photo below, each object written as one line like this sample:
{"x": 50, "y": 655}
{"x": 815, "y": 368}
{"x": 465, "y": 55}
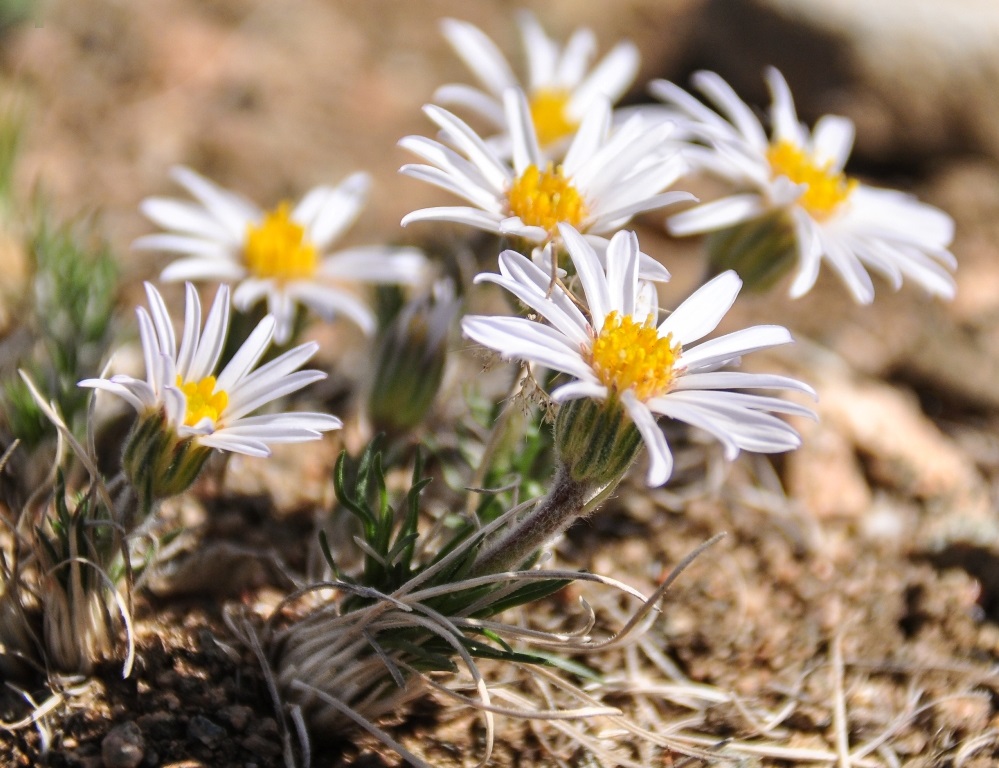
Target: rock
{"x": 826, "y": 475}
{"x": 908, "y": 454}
{"x": 203, "y": 730}
{"x": 261, "y": 746}
{"x": 236, "y": 715}
{"x": 123, "y": 747}
{"x": 916, "y": 76}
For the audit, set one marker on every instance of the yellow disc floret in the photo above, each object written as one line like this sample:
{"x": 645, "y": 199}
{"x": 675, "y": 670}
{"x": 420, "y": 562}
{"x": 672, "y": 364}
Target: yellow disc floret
{"x": 202, "y": 400}
{"x": 827, "y": 189}
{"x": 278, "y": 248}
{"x": 629, "y": 355}
{"x": 550, "y": 116}
{"x": 546, "y": 198}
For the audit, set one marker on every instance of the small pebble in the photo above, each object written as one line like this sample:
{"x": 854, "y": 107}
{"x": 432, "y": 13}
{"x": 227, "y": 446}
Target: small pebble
{"x": 200, "y": 728}
{"x": 236, "y": 715}
{"x": 261, "y": 746}
{"x": 123, "y": 747}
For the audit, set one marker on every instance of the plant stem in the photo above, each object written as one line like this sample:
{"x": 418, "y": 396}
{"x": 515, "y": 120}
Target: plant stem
{"x": 563, "y": 503}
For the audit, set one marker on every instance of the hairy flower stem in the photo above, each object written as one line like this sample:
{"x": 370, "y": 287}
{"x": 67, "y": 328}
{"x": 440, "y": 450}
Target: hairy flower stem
{"x": 563, "y": 503}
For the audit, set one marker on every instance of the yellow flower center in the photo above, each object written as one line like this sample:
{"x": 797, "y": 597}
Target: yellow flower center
{"x": 630, "y": 355}
{"x": 550, "y": 117}
{"x": 202, "y": 400}
{"x": 546, "y": 198}
{"x": 827, "y": 189}
{"x": 277, "y": 247}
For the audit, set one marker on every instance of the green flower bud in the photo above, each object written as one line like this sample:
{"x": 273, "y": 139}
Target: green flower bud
{"x": 158, "y": 462}
{"x": 410, "y": 361}
{"x": 596, "y": 440}
{"x": 761, "y": 251}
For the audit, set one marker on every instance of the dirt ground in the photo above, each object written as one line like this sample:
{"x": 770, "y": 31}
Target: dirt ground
{"x": 857, "y": 589}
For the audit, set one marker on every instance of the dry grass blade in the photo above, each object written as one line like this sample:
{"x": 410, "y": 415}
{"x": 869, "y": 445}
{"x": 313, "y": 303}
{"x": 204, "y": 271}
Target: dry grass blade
{"x": 363, "y": 722}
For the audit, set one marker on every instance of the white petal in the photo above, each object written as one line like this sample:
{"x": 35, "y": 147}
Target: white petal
{"x": 618, "y": 216}
{"x": 809, "y": 254}
{"x": 247, "y": 356}
{"x": 251, "y": 291}
{"x": 733, "y": 345}
{"x": 318, "y": 422}
{"x": 530, "y": 284}
{"x": 524, "y": 140}
{"x": 782, "y": 114}
{"x": 482, "y": 104}
{"x": 516, "y": 338}
{"x": 674, "y": 408}
{"x": 161, "y": 321}
{"x": 514, "y": 227}
{"x": 846, "y": 263}
{"x": 674, "y": 95}
{"x": 715, "y": 215}
{"x": 328, "y": 301}
{"x": 377, "y": 264}
{"x": 186, "y": 217}
{"x": 700, "y": 314}
{"x": 660, "y": 458}
{"x": 575, "y": 59}
{"x": 203, "y": 269}
{"x": 622, "y": 271}
{"x": 737, "y": 402}
{"x": 150, "y": 346}
{"x": 540, "y": 51}
{"x": 610, "y": 78}
{"x": 832, "y": 141}
{"x": 739, "y": 380}
{"x": 231, "y": 210}
{"x": 576, "y": 390}
{"x": 476, "y": 194}
{"x": 212, "y": 339}
{"x": 192, "y": 331}
{"x": 339, "y": 210}
{"x": 734, "y": 108}
{"x": 248, "y": 398}
{"x": 234, "y": 444}
{"x": 126, "y": 393}
{"x": 591, "y": 274}
{"x": 496, "y": 173}
{"x": 592, "y": 133}
{"x": 457, "y": 214}
{"x": 480, "y": 55}
{"x": 194, "y": 246}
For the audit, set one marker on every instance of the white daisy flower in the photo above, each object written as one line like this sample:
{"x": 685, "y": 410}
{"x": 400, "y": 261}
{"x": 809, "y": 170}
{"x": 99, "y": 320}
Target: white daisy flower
{"x": 835, "y": 217}
{"x": 606, "y": 177}
{"x": 281, "y": 254}
{"x": 560, "y": 86}
{"x": 619, "y": 354}
{"x": 209, "y": 407}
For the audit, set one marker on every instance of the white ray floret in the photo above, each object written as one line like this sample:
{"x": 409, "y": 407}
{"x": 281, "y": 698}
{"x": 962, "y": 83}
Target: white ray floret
{"x": 608, "y": 175}
{"x": 619, "y": 352}
{"x": 852, "y": 226}
{"x": 213, "y": 410}
{"x": 561, "y": 86}
{"x": 280, "y": 255}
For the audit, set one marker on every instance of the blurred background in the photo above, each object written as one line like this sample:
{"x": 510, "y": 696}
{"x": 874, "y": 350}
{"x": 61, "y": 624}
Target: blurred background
{"x": 272, "y": 97}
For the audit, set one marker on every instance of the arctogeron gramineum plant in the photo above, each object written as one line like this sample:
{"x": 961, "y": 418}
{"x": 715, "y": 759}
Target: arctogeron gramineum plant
{"x": 500, "y": 393}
